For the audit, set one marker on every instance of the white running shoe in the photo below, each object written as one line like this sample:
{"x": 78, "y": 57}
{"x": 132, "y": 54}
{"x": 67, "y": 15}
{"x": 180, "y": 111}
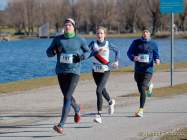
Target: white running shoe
{"x": 98, "y": 119}
{"x": 111, "y": 107}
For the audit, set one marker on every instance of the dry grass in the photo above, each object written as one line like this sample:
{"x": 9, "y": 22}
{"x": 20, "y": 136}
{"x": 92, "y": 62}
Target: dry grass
{"x": 168, "y": 34}
{"x": 27, "y": 84}
{"x": 179, "y": 134}
{"x": 166, "y": 67}
{"x": 164, "y": 91}
{"x": 161, "y": 67}
{"x": 33, "y": 84}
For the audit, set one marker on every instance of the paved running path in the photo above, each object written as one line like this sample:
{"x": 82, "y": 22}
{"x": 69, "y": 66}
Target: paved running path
{"x": 32, "y": 114}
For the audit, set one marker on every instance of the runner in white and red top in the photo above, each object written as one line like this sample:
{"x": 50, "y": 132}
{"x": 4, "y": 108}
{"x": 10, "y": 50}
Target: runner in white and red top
{"x": 100, "y": 50}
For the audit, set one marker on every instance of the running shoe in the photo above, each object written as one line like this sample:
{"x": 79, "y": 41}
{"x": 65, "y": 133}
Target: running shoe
{"x": 98, "y": 119}
{"x": 139, "y": 113}
{"x": 58, "y": 129}
{"x": 111, "y": 107}
{"x": 77, "y": 117}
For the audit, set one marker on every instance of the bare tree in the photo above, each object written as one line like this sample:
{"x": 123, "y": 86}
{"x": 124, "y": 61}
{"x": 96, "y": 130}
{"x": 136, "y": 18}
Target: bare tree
{"x": 58, "y": 11}
{"x": 105, "y": 11}
{"x": 29, "y": 8}
{"x": 82, "y": 15}
{"x": 129, "y": 9}
{"x": 153, "y": 10}
{"x": 15, "y": 14}
{"x": 21, "y": 14}
{"x": 164, "y": 25}
{"x": 42, "y": 12}
{"x": 181, "y": 18}
{"x": 117, "y": 15}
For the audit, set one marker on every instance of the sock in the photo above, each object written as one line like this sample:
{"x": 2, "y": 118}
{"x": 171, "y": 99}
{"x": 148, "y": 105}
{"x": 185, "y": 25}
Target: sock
{"x": 141, "y": 110}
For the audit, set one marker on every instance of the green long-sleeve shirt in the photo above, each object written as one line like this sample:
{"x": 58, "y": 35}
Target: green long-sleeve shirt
{"x": 74, "y": 46}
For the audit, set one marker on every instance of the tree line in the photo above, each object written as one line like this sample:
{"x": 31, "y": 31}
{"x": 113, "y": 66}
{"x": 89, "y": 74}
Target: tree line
{"x": 119, "y": 16}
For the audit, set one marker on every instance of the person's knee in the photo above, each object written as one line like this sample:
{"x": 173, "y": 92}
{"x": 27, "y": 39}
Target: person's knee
{"x": 67, "y": 102}
{"x": 67, "y": 97}
{"x": 99, "y": 95}
{"x": 145, "y": 86}
{"x": 99, "y": 90}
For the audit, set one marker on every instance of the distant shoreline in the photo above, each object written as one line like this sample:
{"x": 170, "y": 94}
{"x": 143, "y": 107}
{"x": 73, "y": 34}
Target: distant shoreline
{"x": 181, "y": 35}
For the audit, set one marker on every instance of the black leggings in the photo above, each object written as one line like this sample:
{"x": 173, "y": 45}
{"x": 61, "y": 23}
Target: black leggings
{"x": 101, "y": 80}
{"x": 68, "y": 83}
{"x": 142, "y": 80}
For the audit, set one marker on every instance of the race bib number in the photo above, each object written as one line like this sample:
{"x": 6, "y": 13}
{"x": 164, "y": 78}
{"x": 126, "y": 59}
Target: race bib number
{"x": 100, "y": 68}
{"x": 66, "y": 58}
{"x": 144, "y": 58}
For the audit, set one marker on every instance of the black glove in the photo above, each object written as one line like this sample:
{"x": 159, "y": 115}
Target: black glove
{"x": 57, "y": 49}
{"x": 77, "y": 58}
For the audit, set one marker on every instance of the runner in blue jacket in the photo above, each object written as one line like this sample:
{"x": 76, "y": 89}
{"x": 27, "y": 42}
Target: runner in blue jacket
{"x": 144, "y": 53}
{"x": 70, "y": 50}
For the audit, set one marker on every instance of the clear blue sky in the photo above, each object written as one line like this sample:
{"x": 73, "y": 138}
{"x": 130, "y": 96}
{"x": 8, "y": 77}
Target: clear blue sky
{"x": 3, "y": 4}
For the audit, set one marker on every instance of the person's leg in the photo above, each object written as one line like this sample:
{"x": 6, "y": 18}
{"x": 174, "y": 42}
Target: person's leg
{"x": 145, "y": 84}
{"x": 104, "y": 79}
{"x": 98, "y": 79}
{"x": 71, "y": 81}
{"x": 75, "y": 106}
{"x": 139, "y": 77}
{"x": 142, "y": 80}
{"x": 105, "y": 94}
{"x": 61, "y": 80}
{"x": 146, "y": 78}
{"x": 64, "y": 85}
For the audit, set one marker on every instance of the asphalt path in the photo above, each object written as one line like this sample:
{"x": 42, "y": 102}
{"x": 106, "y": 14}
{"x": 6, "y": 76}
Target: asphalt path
{"x": 32, "y": 114}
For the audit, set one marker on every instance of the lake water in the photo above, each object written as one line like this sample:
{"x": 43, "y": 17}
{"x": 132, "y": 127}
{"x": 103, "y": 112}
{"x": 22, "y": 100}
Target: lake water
{"x": 26, "y": 59}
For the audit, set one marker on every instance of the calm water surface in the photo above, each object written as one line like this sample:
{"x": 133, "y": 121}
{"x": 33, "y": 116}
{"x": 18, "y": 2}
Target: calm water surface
{"x": 26, "y": 59}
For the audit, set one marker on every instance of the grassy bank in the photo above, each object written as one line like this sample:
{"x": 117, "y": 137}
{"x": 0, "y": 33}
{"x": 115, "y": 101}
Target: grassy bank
{"x": 49, "y": 81}
{"x": 24, "y": 85}
{"x": 162, "y": 67}
{"x": 179, "y": 134}
{"x": 164, "y": 91}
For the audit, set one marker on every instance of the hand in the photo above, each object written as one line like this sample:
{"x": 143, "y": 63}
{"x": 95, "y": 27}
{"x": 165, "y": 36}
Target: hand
{"x": 136, "y": 58}
{"x": 56, "y": 50}
{"x": 77, "y": 58}
{"x": 115, "y": 64}
{"x": 157, "y": 61}
{"x": 95, "y": 49}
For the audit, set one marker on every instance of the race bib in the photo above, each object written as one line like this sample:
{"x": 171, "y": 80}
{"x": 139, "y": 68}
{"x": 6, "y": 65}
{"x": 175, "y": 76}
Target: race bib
{"x": 100, "y": 68}
{"x": 144, "y": 58}
{"x": 66, "y": 58}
